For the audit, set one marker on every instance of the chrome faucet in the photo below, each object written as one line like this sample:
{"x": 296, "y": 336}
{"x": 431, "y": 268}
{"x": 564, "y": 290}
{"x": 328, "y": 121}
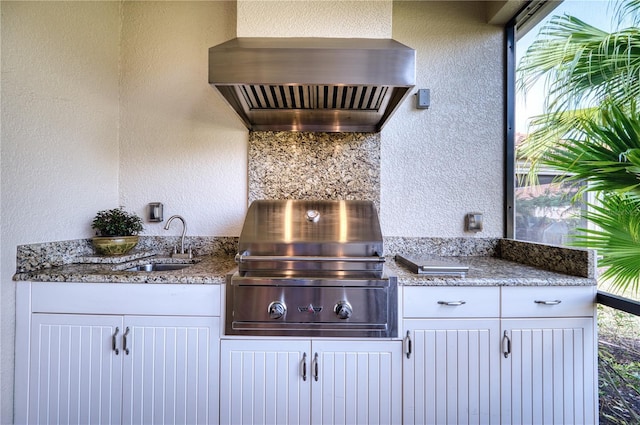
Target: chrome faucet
{"x": 184, "y": 231}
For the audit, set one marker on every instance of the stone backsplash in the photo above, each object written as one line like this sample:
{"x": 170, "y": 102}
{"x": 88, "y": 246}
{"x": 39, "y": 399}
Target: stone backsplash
{"x": 301, "y": 165}
{"x": 573, "y": 261}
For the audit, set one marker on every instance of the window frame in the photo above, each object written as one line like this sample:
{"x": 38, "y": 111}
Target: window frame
{"x": 527, "y": 18}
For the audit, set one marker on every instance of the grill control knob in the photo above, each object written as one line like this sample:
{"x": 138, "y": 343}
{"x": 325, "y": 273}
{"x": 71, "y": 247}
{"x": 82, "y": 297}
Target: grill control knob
{"x": 343, "y": 310}
{"x": 276, "y": 310}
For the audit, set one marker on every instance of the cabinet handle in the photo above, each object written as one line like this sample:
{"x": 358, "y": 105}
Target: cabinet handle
{"x": 304, "y": 366}
{"x": 113, "y": 341}
{"x": 124, "y": 341}
{"x": 407, "y": 343}
{"x": 452, "y": 303}
{"x": 551, "y": 302}
{"x": 506, "y": 345}
{"x": 315, "y": 367}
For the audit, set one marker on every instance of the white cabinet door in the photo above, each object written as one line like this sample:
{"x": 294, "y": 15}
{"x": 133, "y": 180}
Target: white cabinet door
{"x": 265, "y": 382}
{"x": 170, "y": 370}
{"x": 284, "y": 382}
{"x": 358, "y": 382}
{"x": 452, "y": 373}
{"x": 75, "y": 375}
{"x": 549, "y": 372}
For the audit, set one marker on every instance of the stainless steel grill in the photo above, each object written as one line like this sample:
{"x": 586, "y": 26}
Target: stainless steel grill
{"x": 311, "y": 268}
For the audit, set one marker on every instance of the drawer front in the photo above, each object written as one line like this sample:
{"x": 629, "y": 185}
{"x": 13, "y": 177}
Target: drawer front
{"x": 548, "y": 301}
{"x": 451, "y": 301}
{"x": 126, "y": 298}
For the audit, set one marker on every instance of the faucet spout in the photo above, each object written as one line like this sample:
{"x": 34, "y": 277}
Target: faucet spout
{"x": 184, "y": 231}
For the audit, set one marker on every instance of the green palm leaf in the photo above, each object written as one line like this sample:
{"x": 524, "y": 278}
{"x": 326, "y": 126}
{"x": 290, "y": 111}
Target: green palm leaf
{"x": 582, "y": 64}
{"x": 617, "y": 239}
{"x": 606, "y": 154}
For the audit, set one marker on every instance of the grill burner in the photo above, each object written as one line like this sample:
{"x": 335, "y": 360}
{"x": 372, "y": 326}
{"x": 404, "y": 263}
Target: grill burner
{"x": 311, "y": 268}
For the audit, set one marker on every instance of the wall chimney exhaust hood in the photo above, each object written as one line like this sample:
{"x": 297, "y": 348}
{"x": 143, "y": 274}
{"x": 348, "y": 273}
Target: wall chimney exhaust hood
{"x": 313, "y": 84}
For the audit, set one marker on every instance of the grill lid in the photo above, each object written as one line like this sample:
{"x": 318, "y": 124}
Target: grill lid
{"x": 313, "y": 84}
{"x": 311, "y": 235}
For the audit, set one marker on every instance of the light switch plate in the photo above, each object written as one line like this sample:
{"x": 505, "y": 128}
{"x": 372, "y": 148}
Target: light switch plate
{"x": 473, "y": 222}
{"x": 155, "y": 211}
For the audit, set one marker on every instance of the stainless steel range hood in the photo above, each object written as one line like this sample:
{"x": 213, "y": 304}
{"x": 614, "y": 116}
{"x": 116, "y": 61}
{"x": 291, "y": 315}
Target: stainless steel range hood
{"x": 313, "y": 84}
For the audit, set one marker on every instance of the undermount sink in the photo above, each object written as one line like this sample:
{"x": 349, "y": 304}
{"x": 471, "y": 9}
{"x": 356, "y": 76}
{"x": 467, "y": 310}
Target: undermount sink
{"x": 157, "y": 267}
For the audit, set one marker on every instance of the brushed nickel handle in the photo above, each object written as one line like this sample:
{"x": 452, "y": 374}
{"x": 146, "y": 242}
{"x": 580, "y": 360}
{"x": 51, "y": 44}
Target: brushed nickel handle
{"x": 407, "y": 343}
{"x": 506, "y": 345}
{"x": 452, "y": 303}
{"x": 304, "y": 366}
{"x": 315, "y": 367}
{"x": 124, "y": 341}
{"x": 113, "y": 341}
{"x": 548, "y": 302}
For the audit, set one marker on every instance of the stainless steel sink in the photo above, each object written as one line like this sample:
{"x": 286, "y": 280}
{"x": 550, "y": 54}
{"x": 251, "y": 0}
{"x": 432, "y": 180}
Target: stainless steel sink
{"x": 157, "y": 267}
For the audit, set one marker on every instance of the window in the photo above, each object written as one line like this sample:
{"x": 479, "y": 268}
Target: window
{"x": 545, "y": 212}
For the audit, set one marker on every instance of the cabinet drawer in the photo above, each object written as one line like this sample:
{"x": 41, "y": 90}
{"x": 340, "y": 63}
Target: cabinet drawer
{"x": 548, "y": 301}
{"x": 126, "y": 298}
{"x": 451, "y": 301}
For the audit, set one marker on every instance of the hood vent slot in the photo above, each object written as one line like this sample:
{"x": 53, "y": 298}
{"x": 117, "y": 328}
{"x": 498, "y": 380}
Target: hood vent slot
{"x": 358, "y": 98}
{"x": 313, "y": 84}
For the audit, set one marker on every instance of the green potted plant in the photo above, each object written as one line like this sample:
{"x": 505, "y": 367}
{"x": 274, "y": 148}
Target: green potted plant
{"x": 116, "y": 231}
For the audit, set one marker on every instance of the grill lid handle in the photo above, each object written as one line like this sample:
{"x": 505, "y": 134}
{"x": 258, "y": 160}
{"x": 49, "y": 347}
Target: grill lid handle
{"x": 242, "y": 258}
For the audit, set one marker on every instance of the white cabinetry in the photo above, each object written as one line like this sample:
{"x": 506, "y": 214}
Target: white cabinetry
{"x": 549, "y": 358}
{"x": 113, "y": 365}
{"x": 310, "y": 381}
{"x": 451, "y": 368}
{"x": 73, "y": 375}
{"x": 488, "y": 355}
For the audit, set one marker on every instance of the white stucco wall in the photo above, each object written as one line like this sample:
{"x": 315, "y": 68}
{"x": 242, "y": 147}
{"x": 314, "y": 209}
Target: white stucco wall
{"x": 59, "y": 138}
{"x": 441, "y": 163}
{"x": 324, "y": 18}
{"x": 179, "y": 142}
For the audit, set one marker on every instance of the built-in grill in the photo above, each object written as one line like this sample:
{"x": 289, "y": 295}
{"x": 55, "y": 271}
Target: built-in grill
{"x": 311, "y": 268}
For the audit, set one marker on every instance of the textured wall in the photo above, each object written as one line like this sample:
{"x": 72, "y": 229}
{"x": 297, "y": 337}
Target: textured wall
{"x": 59, "y": 134}
{"x": 438, "y": 164}
{"x": 274, "y": 18}
{"x": 179, "y": 142}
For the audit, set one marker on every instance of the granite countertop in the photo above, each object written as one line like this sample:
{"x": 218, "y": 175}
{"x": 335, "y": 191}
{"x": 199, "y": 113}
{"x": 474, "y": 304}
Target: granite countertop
{"x": 492, "y": 262}
{"x": 487, "y": 271}
{"x": 210, "y": 269}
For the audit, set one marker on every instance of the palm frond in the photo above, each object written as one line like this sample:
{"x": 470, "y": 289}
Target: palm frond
{"x": 629, "y": 9}
{"x": 606, "y": 154}
{"x": 582, "y": 65}
{"x": 616, "y": 238}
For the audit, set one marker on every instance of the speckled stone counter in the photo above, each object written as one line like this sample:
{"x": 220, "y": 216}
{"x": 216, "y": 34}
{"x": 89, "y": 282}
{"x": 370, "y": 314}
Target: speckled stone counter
{"x": 488, "y": 271}
{"x": 491, "y": 262}
{"x": 207, "y": 269}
